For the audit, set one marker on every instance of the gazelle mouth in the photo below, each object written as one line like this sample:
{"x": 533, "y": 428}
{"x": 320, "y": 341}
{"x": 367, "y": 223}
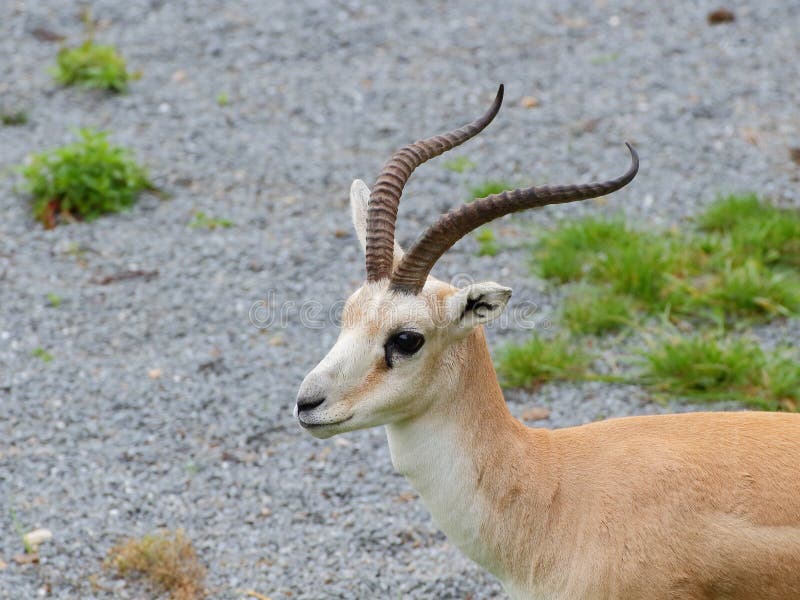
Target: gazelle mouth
{"x": 306, "y": 425}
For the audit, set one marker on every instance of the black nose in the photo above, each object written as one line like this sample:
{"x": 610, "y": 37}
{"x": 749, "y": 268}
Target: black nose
{"x": 309, "y": 402}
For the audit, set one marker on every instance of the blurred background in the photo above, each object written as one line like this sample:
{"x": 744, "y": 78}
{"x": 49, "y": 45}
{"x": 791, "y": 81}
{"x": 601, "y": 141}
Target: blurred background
{"x": 137, "y": 394}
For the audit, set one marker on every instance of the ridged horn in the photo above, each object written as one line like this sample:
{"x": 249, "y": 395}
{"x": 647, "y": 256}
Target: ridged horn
{"x": 413, "y": 270}
{"x": 385, "y": 197}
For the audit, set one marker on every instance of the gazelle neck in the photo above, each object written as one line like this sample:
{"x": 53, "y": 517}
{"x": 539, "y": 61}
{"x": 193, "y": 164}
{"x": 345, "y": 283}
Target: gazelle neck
{"x": 483, "y": 475}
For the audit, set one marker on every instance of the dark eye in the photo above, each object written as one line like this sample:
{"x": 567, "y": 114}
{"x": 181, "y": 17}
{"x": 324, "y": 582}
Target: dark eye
{"x": 403, "y": 342}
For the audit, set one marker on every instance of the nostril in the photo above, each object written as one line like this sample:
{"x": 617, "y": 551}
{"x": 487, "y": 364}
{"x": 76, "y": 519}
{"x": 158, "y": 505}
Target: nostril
{"x": 309, "y": 403}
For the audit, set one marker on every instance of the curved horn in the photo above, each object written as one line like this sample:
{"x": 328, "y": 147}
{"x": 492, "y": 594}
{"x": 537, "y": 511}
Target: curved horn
{"x": 411, "y": 273}
{"x": 385, "y": 197}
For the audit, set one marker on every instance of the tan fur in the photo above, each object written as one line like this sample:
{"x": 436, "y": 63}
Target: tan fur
{"x": 694, "y": 506}
{"x": 700, "y": 506}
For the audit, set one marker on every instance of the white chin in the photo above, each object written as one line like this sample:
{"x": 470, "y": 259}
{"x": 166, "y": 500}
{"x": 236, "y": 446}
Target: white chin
{"x": 320, "y": 431}
{"x": 325, "y": 430}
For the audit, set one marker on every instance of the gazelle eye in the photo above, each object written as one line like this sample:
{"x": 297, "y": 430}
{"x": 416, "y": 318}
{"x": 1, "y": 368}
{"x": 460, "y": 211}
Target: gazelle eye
{"x": 407, "y": 342}
{"x": 404, "y": 343}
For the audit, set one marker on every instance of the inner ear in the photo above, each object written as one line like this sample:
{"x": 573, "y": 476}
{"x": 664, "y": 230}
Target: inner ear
{"x": 477, "y": 304}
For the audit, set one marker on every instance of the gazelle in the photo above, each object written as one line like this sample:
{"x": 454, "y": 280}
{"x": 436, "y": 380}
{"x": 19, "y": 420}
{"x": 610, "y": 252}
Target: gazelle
{"x": 690, "y": 506}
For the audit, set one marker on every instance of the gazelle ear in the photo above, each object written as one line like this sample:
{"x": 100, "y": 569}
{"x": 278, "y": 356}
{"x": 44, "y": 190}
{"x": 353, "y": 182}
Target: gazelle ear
{"x": 359, "y": 201}
{"x": 477, "y": 304}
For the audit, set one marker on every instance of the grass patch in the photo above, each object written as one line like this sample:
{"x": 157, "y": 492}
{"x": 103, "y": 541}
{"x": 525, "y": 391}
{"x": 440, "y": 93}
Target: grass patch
{"x": 755, "y": 230}
{"x": 12, "y": 118}
{"x": 27, "y": 546}
{"x": 54, "y": 300}
{"x": 606, "y": 251}
{"x": 487, "y": 242}
{"x": 487, "y": 188}
{"x": 85, "y": 179}
{"x": 710, "y": 368}
{"x": 223, "y": 99}
{"x": 726, "y": 213}
{"x": 459, "y": 164}
{"x": 604, "y": 59}
{"x": 540, "y": 360}
{"x": 201, "y": 219}
{"x": 753, "y": 291}
{"x": 567, "y": 253}
{"x": 781, "y": 377}
{"x": 42, "y": 354}
{"x": 592, "y": 310}
{"x": 93, "y": 66}
{"x": 739, "y": 267}
{"x": 637, "y": 265}
{"x": 166, "y": 559}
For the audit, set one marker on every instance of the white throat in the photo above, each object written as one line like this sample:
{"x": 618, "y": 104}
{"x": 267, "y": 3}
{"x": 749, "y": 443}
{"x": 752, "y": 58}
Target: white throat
{"x": 430, "y": 453}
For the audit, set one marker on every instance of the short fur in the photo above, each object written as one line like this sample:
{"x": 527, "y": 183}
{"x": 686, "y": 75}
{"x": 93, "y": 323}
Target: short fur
{"x": 691, "y": 506}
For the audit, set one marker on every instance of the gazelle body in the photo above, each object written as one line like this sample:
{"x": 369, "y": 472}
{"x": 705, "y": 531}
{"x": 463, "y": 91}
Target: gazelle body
{"x": 692, "y": 506}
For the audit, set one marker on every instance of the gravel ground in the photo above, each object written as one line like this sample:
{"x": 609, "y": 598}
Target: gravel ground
{"x": 164, "y": 406}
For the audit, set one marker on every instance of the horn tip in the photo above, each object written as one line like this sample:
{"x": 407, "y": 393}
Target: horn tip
{"x": 634, "y": 153}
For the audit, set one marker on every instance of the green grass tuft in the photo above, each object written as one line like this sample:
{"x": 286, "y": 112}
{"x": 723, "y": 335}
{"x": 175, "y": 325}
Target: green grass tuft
{"x": 606, "y": 251}
{"x": 726, "y": 213}
{"x": 753, "y": 291}
{"x": 13, "y": 118}
{"x": 29, "y": 549}
{"x": 85, "y": 179}
{"x": 636, "y": 265}
{"x": 755, "y": 230}
{"x": 567, "y": 253}
{"x": 54, "y": 300}
{"x": 93, "y": 66}
{"x": 603, "y": 59}
{"x": 459, "y": 164}
{"x": 709, "y": 368}
{"x": 487, "y": 242}
{"x": 42, "y": 354}
{"x": 781, "y": 378}
{"x": 739, "y": 268}
{"x": 593, "y": 310}
{"x": 201, "y": 219}
{"x": 539, "y": 360}
{"x": 487, "y": 188}
{"x": 223, "y": 99}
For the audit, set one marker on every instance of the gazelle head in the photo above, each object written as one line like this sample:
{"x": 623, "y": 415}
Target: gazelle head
{"x": 401, "y": 341}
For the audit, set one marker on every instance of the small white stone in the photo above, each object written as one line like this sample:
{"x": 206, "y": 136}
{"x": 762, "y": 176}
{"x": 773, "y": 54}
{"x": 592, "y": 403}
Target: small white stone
{"x": 164, "y": 108}
{"x": 614, "y": 21}
{"x": 36, "y": 537}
